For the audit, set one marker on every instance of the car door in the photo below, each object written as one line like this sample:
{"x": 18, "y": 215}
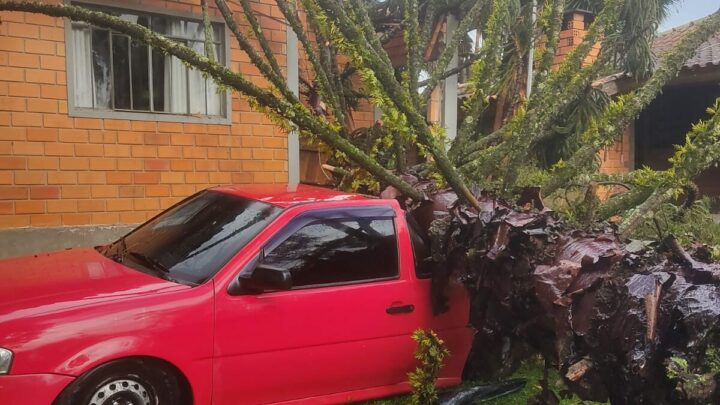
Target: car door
{"x": 344, "y": 326}
{"x": 450, "y": 324}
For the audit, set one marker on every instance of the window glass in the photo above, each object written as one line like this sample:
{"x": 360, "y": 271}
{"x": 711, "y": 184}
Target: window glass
{"x": 140, "y": 77}
{"x": 101, "y": 68}
{"x": 191, "y": 241}
{"x": 158, "y": 66}
{"x": 421, "y": 249}
{"x": 338, "y": 251}
{"x": 113, "y": 73}
{"x": 121, "y": 72}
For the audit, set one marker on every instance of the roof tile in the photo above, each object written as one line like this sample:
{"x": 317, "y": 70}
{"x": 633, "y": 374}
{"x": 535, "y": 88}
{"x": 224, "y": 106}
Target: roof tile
{"x": 707, "y": 54}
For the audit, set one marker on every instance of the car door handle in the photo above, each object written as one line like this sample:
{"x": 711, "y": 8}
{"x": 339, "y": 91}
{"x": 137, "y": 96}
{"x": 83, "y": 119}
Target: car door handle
{"x": 400, "y": 309}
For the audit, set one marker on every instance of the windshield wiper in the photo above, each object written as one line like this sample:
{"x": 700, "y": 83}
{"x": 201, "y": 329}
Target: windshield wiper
{"x": 119, "y": 253}
{"x": 147, "y": 260}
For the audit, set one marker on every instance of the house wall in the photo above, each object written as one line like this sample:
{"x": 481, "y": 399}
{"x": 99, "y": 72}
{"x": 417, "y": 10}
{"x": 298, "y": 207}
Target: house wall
{"x": 312, "y": 155}
{"x": 618, "y": 158}
{"x": 575, "y": 25}
{"x": 59, "y": 172}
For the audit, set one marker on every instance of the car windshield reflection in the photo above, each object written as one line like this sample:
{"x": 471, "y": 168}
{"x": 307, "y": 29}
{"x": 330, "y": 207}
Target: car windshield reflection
{"x": 193, "y": 240}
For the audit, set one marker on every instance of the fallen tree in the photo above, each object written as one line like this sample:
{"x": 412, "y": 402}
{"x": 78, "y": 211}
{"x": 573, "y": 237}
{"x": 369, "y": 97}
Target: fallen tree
{"x": 626, "y": 323}
{"x": 630, "y": 323}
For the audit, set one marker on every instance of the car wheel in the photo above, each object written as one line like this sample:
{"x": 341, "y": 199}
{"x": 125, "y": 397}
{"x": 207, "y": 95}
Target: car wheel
{"x": 126, "y": 382}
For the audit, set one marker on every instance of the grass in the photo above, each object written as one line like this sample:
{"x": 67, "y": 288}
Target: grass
{"x": 531, "y": 370}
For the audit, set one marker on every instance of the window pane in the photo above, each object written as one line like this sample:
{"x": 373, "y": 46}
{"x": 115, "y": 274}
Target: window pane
{"x": 197, "y": 89}
{"x": 101, "y": 67}
{"x": 193, "y": 30}
{"x": 121, "y": 72}
{"x": 338, "y": 251}
{"x": 173, "y": 79}
{"x": 140, "y": 80}
{"x": 218, "y": 33}
{"x": 83, "y": 64}
{"x": 159, "y": 24}
{"x": 158, "y": 71}
{"x": 215, "y": 99}
{"x": 421, "y": 249}
{"x": 133, "y": 18}
{"x": 113, "y": 72}
{"x": 143, "y": 20}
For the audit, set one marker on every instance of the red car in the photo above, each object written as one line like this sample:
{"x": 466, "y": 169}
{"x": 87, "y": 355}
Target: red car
{"x": 236, "y": 295}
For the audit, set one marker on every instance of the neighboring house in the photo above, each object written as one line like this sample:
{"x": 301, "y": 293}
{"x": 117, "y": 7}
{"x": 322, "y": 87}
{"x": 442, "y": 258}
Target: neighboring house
{"x": 98, "y": 130}
{"x": 652, "y": 138}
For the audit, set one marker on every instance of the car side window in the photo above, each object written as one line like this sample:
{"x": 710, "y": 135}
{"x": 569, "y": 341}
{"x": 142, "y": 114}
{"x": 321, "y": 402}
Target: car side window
{"x": 422, "y": 253}
{"x": 337, "y": 251}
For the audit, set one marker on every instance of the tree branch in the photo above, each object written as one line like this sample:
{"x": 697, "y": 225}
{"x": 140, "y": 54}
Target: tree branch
{"x": 260, "y": 36}
{"x": 621, "y": 112}
{"x": 398, "y": 95}
{"x": 563, "y": 87}
{"x": 427, "y": 26}
{"x": 328, "y": 61}
{"x": 483, "y": 77}
{"x": 208, "y": 31}
{"x": 293, "y": 111}
{"x": 412, "y": 47}
{"x": 552, "y": 39}
{"x": 291, "y": 14}
{"x": 366, "y": 28}
{"x": 451, "y": 46}
{"x": 264, "y": 68}
{"x": 464, "y": 65}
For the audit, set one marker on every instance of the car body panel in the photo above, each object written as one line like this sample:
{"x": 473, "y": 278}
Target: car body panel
{"x": 32, "y": 389}
{"x": 96, "y": 310}
{"x": 285, "y": 196}
{"x": 70, "y": 311}
{"x": 366, "y": 394}
{"x": 343, "y": 331}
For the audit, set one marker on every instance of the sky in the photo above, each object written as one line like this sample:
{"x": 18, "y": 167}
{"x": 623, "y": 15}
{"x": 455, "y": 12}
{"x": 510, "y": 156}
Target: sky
{"x": 688, "y": 10}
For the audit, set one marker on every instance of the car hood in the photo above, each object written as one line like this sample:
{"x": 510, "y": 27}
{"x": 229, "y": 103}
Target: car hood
{"x": 47, "y": 284}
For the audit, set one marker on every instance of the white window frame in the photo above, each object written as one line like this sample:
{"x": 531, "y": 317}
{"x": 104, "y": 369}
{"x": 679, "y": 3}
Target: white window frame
{"x": 85, "y": 112}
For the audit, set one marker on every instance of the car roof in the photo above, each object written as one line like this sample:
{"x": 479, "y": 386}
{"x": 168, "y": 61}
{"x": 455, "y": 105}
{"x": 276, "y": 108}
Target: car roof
{"x": 285, "y": 196}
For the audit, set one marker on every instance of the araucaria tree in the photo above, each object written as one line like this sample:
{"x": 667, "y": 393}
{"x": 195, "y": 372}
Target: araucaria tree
{"x": 517, "y": 141}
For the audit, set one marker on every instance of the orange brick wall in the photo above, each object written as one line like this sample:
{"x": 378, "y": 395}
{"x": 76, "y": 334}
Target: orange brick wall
{"x": 620, "y": 157}
{"x": 58, "y": 170}
{"x": 573, "y": 34}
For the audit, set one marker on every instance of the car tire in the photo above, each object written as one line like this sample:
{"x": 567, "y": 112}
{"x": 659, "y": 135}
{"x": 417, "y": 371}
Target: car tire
{"x": 127, "y": 382}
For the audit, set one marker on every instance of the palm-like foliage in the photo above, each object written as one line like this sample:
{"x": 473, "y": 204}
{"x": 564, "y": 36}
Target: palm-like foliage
{"x": 639, "y": 22}
{"x": 562, "y": 125}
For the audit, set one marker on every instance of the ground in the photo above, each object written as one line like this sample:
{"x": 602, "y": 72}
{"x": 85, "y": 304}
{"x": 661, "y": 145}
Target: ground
{"x": 531, "y": 370}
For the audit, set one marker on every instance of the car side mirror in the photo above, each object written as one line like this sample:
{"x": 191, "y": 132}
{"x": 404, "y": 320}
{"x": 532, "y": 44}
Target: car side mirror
{"x": 268, "y": 278}
{"x": 261, "y": 277}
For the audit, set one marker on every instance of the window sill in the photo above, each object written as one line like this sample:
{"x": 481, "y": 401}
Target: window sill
{"x": 146, "y": 116}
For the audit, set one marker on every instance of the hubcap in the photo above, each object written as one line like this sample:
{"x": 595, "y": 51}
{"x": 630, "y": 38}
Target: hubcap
{"x": 121, "y": 392}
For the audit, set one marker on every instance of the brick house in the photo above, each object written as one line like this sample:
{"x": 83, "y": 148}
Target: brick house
{"x": 663, "y": 124}
{"x": 98, "y": 133}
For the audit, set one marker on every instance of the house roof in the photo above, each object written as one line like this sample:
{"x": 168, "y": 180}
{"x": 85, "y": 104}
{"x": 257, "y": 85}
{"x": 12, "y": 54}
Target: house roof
{"x": 707, "y": 54}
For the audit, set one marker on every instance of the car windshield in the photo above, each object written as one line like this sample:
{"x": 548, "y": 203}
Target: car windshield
{"x": 194, "y": 239}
